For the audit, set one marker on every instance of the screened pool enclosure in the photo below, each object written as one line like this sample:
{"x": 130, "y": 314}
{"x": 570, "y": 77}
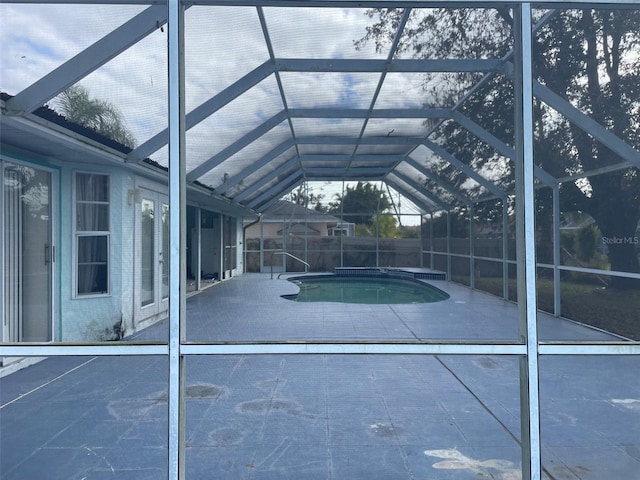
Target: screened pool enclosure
{"x": 152, "y": 149}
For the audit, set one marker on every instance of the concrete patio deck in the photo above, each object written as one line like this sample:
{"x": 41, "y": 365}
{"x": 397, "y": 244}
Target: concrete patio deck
{"x": 325, "y": 416}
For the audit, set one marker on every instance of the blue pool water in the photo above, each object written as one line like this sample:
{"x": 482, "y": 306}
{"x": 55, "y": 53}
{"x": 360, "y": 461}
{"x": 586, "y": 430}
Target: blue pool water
{"x": 369, "y": 290}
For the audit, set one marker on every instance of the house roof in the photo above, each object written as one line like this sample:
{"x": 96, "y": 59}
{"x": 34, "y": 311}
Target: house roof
{"x": 291, "y": 212}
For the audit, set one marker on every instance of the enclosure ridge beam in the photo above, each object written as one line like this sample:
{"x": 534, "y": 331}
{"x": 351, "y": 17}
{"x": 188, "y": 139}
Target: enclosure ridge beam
{"x": 88, "y": 60}
{"x": 347, "y": 173}
{"x": 344, "y": 158}
{"x": 236, "y": 146}
{"x": 205, "y": 110}
{"x": 350, "y": 65}
{"x": 255, "y": 166}
{"x": 374, "y": 113}
{"x": 335, "y": 140}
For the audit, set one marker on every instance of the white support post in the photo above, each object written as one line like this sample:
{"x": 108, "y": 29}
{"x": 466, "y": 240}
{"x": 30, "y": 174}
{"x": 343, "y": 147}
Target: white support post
{"x": 220, "y": 246}
{"x": 431, "y": 263}
{"x": 472, "y": 248}
{"x": 199, "y": 249}
{"x": 525, "y": 244}
{"x": 557, "y": 310}
{"x": 449, "y": 244}
{"x": 261, "y": 245}
{"x": 421, "y": 248}
{"x": 177, "y": 238}
{"x": 505, "y": 248}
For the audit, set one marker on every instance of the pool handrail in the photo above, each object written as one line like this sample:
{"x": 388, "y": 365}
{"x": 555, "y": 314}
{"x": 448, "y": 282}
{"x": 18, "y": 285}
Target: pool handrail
{"x": 282, "y": 252}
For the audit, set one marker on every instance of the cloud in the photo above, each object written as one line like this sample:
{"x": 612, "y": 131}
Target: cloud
{"x": 222, "y": 45}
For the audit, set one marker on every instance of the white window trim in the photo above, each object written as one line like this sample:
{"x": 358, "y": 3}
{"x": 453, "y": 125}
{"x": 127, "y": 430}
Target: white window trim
{"x": 77, "y": 234}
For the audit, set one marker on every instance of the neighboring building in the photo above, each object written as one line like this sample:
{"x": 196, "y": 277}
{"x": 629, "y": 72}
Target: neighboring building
{"x": 286, "y": 226}
{"x": 287, "y": 218}
{"x": 343, "y": 229}
{"x": 84, "y": 234}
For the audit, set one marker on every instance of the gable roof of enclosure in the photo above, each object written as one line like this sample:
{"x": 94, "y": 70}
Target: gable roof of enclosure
{"x": 288, "y": 104}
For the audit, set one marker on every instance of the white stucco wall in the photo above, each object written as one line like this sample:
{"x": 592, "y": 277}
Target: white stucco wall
{"x": 93, "y": 317}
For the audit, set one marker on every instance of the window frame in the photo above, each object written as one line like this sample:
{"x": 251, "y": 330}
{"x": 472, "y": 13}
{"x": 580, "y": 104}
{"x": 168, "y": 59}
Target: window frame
{"x": 77, "y": 234}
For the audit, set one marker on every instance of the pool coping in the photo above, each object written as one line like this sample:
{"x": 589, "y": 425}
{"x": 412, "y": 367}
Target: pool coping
{"x": 393, "y": 272}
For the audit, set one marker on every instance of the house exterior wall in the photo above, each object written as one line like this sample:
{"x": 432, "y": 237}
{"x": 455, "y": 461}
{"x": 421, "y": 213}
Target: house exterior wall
{"x": 94, "y": 317}
{"x": 97, "y": 317}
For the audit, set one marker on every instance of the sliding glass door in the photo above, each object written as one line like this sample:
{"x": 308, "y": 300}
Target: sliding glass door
{"x": 28, "y": 254}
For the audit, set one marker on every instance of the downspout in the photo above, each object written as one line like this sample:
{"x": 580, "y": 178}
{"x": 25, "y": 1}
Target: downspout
{"x": 244, "y": 239}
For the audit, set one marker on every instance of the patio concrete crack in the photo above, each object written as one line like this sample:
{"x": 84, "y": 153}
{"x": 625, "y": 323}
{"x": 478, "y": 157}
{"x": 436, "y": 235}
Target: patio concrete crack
{"x": 399, "y": 317}
{"x": 20, "y": 397}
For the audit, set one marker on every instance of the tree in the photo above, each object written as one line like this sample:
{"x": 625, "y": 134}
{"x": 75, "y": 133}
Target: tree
{"x": 361, "y": 203}
{"x": 305, "y": 197}
{"x": 77, "y": 106}
{"x": 586, "y": 57}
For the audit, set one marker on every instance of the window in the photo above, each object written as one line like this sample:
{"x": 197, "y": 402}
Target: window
{"x": 92, "y": 234}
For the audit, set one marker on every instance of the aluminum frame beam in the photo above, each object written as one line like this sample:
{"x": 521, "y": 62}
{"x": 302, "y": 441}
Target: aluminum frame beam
{"x": 236, "y": 146}
{"x": 88, "y": 60}
{"x": 348, "y": 3}
{"x": 499, "y": 145}
{"x": 587, "y": 124}
{"x": 205, "y": 110}
{"x": 284, "y": 168}
{"x": 335, "y": 140}
{"x": 351, "y": 65}
{"x": 420, "y": 188}
{"x": 428, "y": 207}
{"x": 439, "y": 180}
{"x": 277, "y": 190}
{"x": 373, "y": 113}
{"x": 255, "y": 166}
{"x": 345, "y": 173}
{"x": 464, "y": 168}
{"x": 345, "y": 158}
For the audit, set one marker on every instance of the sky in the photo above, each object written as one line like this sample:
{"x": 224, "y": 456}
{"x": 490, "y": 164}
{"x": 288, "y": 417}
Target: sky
{"x": 223, "y": 44}
{"x": 37, "y": 38}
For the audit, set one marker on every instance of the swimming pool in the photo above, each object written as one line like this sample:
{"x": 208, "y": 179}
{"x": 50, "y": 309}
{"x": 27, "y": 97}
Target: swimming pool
{"x": 364, "y": 289}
